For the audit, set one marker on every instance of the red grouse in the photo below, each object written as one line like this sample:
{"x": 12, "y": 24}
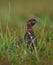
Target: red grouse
{"x": 29, "y": 37}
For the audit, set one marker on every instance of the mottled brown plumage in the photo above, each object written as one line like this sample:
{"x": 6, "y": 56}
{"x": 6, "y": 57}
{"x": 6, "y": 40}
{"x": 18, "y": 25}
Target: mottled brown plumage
{"x": 29, "y": 37}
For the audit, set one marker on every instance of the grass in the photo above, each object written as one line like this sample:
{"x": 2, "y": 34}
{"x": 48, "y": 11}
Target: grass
{"x": 18, "y": 55}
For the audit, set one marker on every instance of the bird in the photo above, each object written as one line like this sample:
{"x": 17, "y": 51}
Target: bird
{"x": 29, "y": 37}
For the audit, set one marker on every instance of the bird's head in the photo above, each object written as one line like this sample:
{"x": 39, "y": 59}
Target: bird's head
{"x": 31, "y": 22}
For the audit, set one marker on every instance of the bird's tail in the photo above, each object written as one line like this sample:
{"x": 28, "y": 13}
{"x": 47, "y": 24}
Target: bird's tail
{"x": 13, "y": 45}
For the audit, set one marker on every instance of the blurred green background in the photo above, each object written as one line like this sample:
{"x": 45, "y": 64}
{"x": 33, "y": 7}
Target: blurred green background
{"x": 25, "y": 8}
